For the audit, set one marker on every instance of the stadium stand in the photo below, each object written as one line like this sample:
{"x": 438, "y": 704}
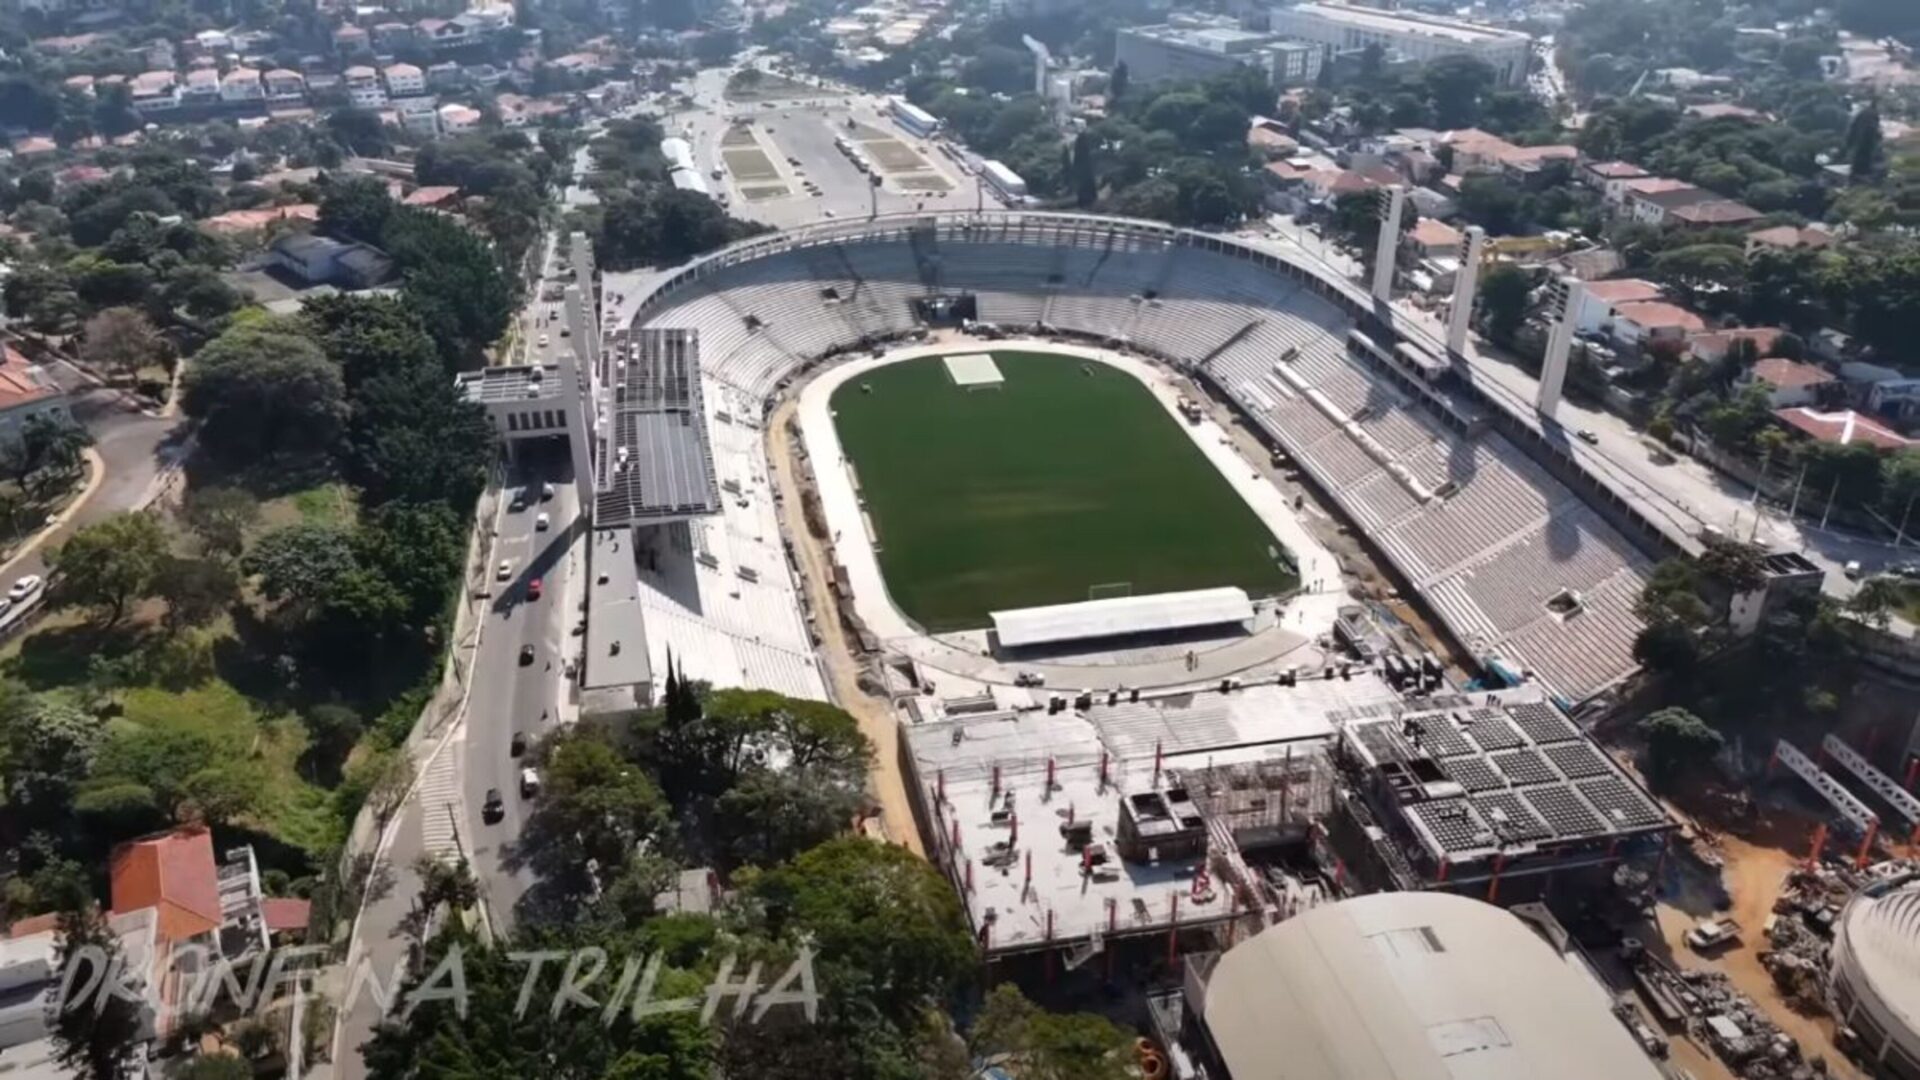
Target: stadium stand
{"x": 1521, "y": 571}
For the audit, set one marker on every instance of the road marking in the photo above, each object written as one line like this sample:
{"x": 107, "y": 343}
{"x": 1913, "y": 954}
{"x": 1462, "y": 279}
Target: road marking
{"x": 440, "y": 804}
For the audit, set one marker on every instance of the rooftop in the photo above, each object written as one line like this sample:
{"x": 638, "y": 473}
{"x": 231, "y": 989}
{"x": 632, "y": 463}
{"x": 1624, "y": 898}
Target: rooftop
{"x": 1407, "y": 22}
{"x": 21, "y": 381}
{"x": 1623, "y": 290}
{"x": 1112, "y": 617}
{"x": 655, "y": 461}
{"x": 616, "y": 648}
{"x": 1843, "y": 426}
{"x": 1415, "y": 986}
{"x": 1787, "y": 374}
{"x": 174, "y": 872}
{"x": 517, "y": 382}
{"x": 1659, "y": 315}
{"x": 1616, "y": 170}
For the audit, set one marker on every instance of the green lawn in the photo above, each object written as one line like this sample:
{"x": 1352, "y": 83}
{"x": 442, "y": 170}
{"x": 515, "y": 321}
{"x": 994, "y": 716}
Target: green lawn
{"x": 1070, "y": 475}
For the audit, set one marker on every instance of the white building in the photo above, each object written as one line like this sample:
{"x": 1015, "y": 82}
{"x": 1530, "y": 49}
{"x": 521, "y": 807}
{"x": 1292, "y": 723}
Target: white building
{"x": 419, "y": 115}
{"x": 1414, "y": 35}
{"x": 363, "y": 87}
{"x": 1191, "y": 46}
{"x": 1412, "y": 986}
{"x": 202, "y": 87}
{"x": 1875, "y": 991}
{"x": 242, "y": 84}
{"x": 458, "y": 118}
{"x": 405, "y": 80}
{"x": 156, "y": 91}
{"x": 918, "y": 121}
{"x": 285, "y": 84}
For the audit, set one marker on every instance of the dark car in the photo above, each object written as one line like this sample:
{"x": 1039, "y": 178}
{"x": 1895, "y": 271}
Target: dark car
{"x": 518, "y": 744}
{"x": 535, "y": 588}
{"x": 494, "y": 808}
{"x": 526, "y": 655}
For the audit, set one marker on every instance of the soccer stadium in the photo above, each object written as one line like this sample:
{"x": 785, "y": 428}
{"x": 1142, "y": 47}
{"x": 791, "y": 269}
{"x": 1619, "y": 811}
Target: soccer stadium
{"x": 1013, "y": 465}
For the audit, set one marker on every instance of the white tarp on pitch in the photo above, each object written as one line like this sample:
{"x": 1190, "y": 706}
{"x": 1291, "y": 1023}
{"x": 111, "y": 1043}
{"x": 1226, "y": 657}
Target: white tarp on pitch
{"x": 1157, "y": 613}
{"x": 973, "y": 369}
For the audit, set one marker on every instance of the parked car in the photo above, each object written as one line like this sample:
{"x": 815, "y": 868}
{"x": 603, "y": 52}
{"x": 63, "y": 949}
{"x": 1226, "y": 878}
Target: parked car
{"x": 545, "y": 341}
{"x": 505, "y": 571}
{"x": 535, "y": 588}
{"x": 1588, "y": 437}
{"x": 529, "y": 783}
{"x": 542, "y": 523}
{"x": 494, "y": 808}
{"x": 24, "y": 588}
{"x": 546, "y": 492}
{"x": 526, "y": 655}
{"x": 518, "y": 744}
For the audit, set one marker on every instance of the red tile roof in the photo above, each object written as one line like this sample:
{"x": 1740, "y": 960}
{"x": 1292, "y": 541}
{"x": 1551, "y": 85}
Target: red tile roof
{"x": 1622, "y": 290}
{"x": 285, "y": 913}
{"x": 1658, "y": 315}
{"x": 431, "y": 196}
{"x": 1843, "y": 427}
{"x": 19, "y": 383}
{"x": 1789, "y": 374}
{"x": 175, "y": 873}
{"x": 34, "y": 924}
{"x": 1616, "y": 170}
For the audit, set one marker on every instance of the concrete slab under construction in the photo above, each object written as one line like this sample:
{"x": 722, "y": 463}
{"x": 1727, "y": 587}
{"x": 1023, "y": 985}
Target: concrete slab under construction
{"x": 1062, "y": 830}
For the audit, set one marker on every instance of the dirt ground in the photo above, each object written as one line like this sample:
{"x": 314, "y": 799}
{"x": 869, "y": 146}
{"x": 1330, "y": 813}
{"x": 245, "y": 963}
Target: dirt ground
{"x": 888, "y": 786}
{"x": 1758, "y": 853}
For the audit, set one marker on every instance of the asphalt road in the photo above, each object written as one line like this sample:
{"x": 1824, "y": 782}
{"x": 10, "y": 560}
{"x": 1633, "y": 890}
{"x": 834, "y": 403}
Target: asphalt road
{"x": 510, "y": 694}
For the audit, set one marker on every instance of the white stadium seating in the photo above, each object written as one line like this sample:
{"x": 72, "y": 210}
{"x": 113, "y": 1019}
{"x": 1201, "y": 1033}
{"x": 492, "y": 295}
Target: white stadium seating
{"x": 1469, "y": 520}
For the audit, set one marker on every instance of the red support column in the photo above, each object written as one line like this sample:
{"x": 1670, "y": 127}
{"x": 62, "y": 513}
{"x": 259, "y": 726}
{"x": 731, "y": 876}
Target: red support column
{"x": 1866, "y": 846}
{"x": 1493, "y": 883}
{"x": 1819, "y": 845}
{"x": 1913, "y": 770}
{"x": 1445, "y": 866}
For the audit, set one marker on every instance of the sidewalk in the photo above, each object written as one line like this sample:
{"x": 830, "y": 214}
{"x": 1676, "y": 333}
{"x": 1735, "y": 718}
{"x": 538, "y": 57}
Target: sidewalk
{"x": 96, "y": 473}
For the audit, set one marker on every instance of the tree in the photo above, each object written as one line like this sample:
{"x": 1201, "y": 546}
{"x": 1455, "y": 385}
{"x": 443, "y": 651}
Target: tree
{"x": 1504, "y": 298}
{"x": 1738, "y": 566}
{"x": 1876, "y": 600}
{"x": 108, "y": 565}
{"x": 92, "y": 1038}
{"x": 885, "y": 925}
{"x": 262, "y": 391}
{"x": 121, "y": 341}
{"x": 50, "y": 749}
{"x": 220, "y": 517}
{"x": 1455, "y": 84}
{"x": 594, "y": 809}
{"x": 48, "y": 447}
{"x": 1086, "y": 178}
{"x": 1863, "y": 142}
{"x": 221, "y": 794}
{"x": 218, "y": 1065}
{"x": 1038, "y": 1045}
{"x": 196, "y": 590}
{"x": 356, "y": 208}
{"x": 449, "y": 883}
{"x": 1667, "y": 647}
{"x": 303, "y": 565}
{"x": 1677, "y": 741}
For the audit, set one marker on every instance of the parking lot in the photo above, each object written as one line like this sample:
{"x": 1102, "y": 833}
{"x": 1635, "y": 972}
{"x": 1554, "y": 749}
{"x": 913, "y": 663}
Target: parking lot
{"x": 780, "y": 165}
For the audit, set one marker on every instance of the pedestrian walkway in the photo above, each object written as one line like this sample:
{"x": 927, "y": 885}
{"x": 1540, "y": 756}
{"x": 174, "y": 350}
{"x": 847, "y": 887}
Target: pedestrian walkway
{"x": 440, "y": 802}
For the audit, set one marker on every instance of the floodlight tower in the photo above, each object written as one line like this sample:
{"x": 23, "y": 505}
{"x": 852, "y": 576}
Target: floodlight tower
{"x": 1466, "y": 284}
{"x": 1393, "y": 203}
{"x": 1567, "y": 295}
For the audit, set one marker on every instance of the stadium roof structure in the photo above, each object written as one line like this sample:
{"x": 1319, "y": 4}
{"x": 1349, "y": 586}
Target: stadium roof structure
{"x": 1415, "y": 986}
{"x": 654, "y": 461}
{"x": 1089, "y": 619}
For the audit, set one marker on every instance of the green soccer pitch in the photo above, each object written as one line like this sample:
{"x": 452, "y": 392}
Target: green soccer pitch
{"x": 1066, "y": 478}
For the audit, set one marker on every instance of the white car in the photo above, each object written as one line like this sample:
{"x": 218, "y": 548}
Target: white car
{"x": 542, "y": 523}
{"x": 505, "y": 571}
{"x": 544, "y": 341}
{"x": 24, "y": 588}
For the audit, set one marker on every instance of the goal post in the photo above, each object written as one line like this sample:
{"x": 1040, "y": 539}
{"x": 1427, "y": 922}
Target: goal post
{"x": 1112, "y": 590}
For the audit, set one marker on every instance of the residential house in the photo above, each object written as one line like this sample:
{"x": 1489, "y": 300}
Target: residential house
{"x": 405, "y": 80}
{"x": 67, "y": 45}
{"x": 245, "y": 221}
{"x": 202, "y": 87}
{"x": 435, "y": 197}
{"x": 457, "y": 118}
{"x": 1714, "y": 345}
{"x": 1726, "y": 110}
{"x": 1528, "y": 164}
{"x": 1841, "y": 427}
{"x": 363, "y": 87}
{"x": 349, "y": 40}
{"x": 155, "y": 91}
{"x": 1645, "y": 322}
{"x": 197, "y": 903}
{"x": 80, "y": 84}
{"x": 446, "y": 75}
{"x": 444, "y": 33}
{"x": 1713, "y": 213}
{"x": 213, "y": 42}
{"x": 319, "y": 260}
{"x": 242, "y": 85}
{"x": 1268, "y": 139}
{"x": 1789, "y": 238}
{"x": 285, "y": 85}
{"x": 1787, "y": 382}
{"x": 419, "y": 115}
{"x": 1647, "y": 187}
{"x": 390, "y": 37}
{"x": 34, "y": 146}
{"x": 1434, "y": 239}
{"x": 1600, "y": 299}
{"x": 159, "y": 55}
{"x": 1474, "y": 149}
{"x": 1894, "y": 396}
{"x": 26, "y": 391}
{"x": 1610, "y": 178}
{"x": 30, "y": 981}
